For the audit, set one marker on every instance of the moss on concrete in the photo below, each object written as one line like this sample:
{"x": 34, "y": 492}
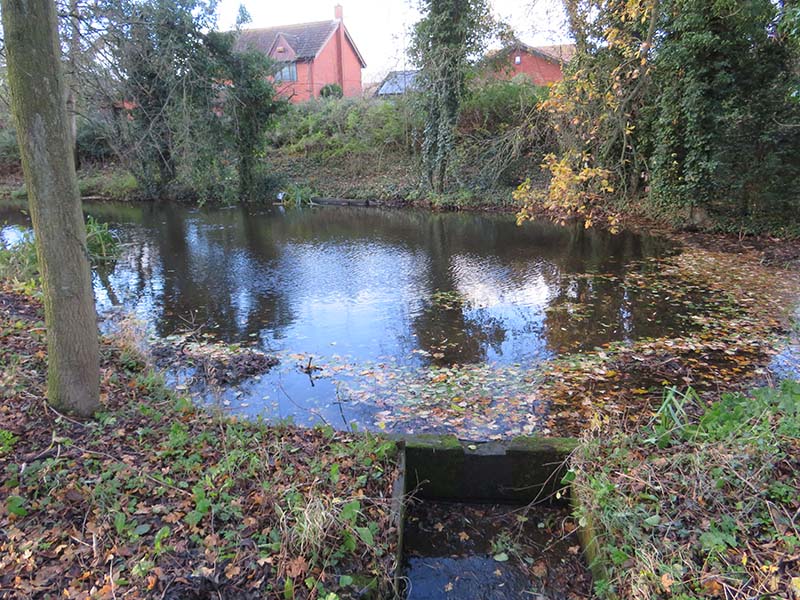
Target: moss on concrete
{"x": 521, "y": 470}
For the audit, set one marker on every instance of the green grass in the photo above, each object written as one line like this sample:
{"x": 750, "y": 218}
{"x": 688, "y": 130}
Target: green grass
{"x": 112, "y": 184}
{"x": 700, "y": 503}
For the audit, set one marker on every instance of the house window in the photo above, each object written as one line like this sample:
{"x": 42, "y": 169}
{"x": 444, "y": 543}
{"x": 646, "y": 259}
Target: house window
{"x": 287, "y": 73}
{"x": 517, "y": 60}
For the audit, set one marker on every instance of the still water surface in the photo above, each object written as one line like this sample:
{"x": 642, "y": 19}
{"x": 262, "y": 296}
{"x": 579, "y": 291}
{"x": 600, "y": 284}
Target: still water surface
{"x": 374, "y": 296}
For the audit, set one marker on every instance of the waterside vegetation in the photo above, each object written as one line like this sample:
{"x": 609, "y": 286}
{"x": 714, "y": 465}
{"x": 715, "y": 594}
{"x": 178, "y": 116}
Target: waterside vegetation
{"x": 702, "y": 502}
{"x": 676, "y": 111}
{"x": 159, "y": 497}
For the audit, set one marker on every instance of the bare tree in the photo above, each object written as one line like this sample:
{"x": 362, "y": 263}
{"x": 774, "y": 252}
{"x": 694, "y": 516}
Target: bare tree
{"x": 37, "y": 99}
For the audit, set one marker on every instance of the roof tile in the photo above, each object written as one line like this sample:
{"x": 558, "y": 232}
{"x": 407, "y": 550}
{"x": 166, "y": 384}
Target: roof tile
{"x": 306, "y": 39}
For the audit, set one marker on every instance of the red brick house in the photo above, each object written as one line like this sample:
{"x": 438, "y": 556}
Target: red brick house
{"x": 542, "y": 64}
{"x": 313, "y": 55}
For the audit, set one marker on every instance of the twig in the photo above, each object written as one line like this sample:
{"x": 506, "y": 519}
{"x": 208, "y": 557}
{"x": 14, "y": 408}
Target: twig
{"x": 309, "y": 410}
{"x": 65, "y": 417}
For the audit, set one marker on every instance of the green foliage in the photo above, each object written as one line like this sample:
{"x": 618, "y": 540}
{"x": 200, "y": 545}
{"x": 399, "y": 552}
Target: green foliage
{"x": 189, "y": 113}
{"x": 19, "y": 262}
{"x": 369, "y": 148}
{"x": 722, "y": 138}
{"x": 789, "y": 28}
{"x": 9, "y": 151}
{"x": 346, "y": 127}
{"x": 687, "y": 103}
{"x": 496, "y": 105}
{"x": 672, "y": 416}
{"x": 666, "y": 507}
{"x": 101, "y": 243}
{"x": 250, "y": 103}
{"x": 445, "y": 43}
{"x": 7, "y": 441}
{"x": 297, "y": 196}
{"x": 15, "y": 505}
{"x": 500, "y": 128}
{"x": 94, "y": 142}
{"x": 331, "y": 90}
{"x": 166, "y": 87}
{"x": 739, "y": 415}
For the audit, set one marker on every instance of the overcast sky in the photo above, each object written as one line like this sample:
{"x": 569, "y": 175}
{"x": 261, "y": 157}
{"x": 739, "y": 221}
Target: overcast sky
{"x": 380, "y": 27}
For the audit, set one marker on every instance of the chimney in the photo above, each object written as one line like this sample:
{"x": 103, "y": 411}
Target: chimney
{"x": 337, "y": 12}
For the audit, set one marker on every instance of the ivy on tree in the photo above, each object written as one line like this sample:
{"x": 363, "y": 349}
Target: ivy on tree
{"x": 449, "y": 38}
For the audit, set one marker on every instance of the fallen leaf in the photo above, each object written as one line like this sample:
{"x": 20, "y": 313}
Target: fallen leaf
{"x": 540, "y": 569}
{"x": 296, "y": 567}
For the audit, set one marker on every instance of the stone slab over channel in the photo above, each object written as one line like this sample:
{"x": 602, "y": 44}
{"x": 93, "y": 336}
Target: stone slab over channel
{"x": 519, "y": 471}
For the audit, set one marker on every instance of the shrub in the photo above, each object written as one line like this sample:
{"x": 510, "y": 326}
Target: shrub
{"x": 9, "y": 152}
{"x": 496, "y": 105}
{"x": 503, "y": 133}
{"x": 331, "y": 90}
{"x": 336, "y": 127}
{"x": 93, "y": 142}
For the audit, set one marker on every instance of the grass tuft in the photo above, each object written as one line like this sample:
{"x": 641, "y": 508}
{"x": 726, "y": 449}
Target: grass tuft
{"x": 703, "y": 502}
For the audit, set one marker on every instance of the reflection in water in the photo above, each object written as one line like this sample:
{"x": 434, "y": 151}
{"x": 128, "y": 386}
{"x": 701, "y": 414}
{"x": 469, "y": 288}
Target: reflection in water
{"x": 359, "y": 285}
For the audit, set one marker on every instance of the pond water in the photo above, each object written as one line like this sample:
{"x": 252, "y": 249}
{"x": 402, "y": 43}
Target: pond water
{"x": 492, "y": 552}
{"x": 384, "y": 301}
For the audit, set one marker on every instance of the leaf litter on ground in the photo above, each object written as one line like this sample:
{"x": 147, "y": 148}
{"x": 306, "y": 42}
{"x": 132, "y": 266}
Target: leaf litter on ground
{"x": 156, "y": 497}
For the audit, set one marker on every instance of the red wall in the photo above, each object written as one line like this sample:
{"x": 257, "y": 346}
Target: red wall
{"x": 325, "y": 69}
{"x": 300, "y": 90}
{"x": 351, "y": 71}
{"x": 540, "y": 71}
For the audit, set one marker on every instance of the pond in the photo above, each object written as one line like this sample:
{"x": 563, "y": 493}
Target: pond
{"x": 394, "y": 309}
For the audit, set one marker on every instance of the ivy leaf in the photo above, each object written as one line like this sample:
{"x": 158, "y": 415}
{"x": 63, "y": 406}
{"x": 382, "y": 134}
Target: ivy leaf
{"x": 501, "y": 557}
{"x": 16, "y": 506}
{"x": 350, "y": 511}
{"x": 652, "y": 521}
{"x": 366, "y": 535}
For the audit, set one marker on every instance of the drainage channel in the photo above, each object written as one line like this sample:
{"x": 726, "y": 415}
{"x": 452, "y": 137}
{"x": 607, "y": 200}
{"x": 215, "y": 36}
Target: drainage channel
{"x": 481, "y": 521}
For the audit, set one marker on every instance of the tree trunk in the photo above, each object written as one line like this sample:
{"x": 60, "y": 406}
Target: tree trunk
{"x": 37, "y": 98}
{"x": 74, "y": 51}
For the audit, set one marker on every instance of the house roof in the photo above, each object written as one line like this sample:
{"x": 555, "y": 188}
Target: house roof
{"x": 397, "y": 82}
{"x": 306, "y": 39}
{"x": 560, "y": 53}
